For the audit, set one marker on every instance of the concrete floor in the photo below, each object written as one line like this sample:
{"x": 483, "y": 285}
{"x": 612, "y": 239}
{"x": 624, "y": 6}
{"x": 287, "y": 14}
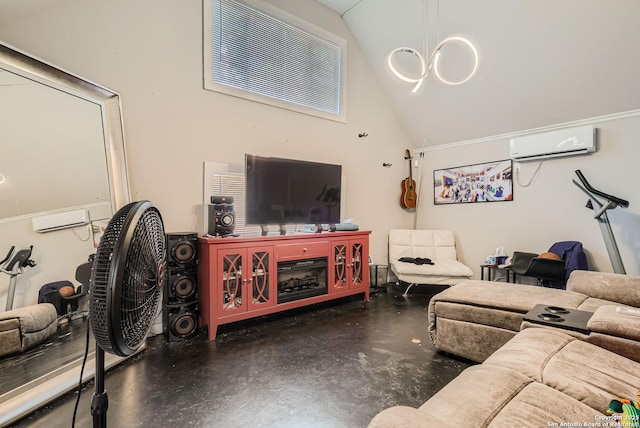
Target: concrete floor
{"x": 332, "y": 365}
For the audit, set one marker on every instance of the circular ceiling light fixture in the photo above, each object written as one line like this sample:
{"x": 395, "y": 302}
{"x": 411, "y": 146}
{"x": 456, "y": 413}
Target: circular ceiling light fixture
{"x": 433, "y": 63}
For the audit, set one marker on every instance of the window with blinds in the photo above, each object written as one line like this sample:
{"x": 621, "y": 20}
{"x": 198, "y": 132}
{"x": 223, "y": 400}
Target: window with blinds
{"x": 256, "y": 51}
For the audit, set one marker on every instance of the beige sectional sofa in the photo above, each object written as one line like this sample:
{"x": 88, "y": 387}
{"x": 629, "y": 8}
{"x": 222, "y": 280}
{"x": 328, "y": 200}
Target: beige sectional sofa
{"x": 475, "y": 318}
{"x": 540, "y": 378}
{"x": 531, "y": 375}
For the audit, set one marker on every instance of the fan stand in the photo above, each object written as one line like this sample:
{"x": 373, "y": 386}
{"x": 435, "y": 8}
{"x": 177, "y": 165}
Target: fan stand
{"x": 100, "y": 401}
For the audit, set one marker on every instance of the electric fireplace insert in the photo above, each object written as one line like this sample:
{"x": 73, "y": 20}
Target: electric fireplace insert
{"x": 301, "y": 279}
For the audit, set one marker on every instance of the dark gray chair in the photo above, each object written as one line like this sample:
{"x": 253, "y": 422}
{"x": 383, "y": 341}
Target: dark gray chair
{"x": 529, "y": 264}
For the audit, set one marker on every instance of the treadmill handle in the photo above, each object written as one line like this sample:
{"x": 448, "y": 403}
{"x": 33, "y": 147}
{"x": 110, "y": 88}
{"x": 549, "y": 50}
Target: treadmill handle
{"x": 8, "y": 255}
{"x": 618, "y": 201}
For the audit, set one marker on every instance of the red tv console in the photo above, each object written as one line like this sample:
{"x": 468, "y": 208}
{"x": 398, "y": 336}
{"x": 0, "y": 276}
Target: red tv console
{"x": 246, "y": 277}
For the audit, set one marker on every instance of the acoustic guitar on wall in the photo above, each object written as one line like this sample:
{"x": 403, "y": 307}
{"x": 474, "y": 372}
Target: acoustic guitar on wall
{"x": 408, "y": 197}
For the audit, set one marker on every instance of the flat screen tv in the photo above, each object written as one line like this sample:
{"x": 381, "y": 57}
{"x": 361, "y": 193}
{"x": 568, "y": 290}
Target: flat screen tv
{"x": 287, "y": 191}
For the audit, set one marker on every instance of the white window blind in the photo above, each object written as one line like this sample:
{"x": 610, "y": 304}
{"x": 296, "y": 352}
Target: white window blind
{"x": 259, "y": 51}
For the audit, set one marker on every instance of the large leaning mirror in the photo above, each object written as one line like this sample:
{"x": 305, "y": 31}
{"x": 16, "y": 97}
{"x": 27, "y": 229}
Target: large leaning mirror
{"x": 62, "y": 156}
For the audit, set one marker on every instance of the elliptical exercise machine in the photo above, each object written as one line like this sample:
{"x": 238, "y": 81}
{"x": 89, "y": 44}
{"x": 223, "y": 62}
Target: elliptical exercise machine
{"x": 14, "y": 268}
{"x": 610, "y": 202}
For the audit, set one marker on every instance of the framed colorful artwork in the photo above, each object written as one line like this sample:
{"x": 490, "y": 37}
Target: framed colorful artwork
{"x": 482, "y": 182}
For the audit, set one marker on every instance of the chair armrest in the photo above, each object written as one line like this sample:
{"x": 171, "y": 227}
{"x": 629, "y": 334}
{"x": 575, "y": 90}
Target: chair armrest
{"x": 615, "y": 287}
{"x": 520, "y": 261}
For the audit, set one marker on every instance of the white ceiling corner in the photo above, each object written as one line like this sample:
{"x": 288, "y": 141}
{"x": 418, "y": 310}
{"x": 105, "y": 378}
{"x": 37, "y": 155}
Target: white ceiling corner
{"x": 341, "y": 6}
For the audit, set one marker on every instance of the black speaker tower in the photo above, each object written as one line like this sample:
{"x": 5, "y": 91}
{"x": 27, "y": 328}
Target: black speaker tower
{"x": 180, "y": 314}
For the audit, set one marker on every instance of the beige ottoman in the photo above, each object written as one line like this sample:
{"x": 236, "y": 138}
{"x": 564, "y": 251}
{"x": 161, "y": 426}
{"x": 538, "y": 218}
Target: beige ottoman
{"x": 22, "y": 329}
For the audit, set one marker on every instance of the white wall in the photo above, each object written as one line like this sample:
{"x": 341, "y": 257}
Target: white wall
{"x": 151, "y": 53}
{"x": 552, "y": 208}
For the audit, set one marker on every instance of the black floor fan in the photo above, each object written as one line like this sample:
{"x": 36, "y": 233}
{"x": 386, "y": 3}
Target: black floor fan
{"x": 126, "y": 284}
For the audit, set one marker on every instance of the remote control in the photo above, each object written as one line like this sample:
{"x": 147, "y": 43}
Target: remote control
{"x": 628, "y": 311}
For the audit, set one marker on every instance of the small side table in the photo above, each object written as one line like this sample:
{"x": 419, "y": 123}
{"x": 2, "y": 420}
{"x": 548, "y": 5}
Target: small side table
{"x": 378, "y": 276}
{"x": 491, "y": 267}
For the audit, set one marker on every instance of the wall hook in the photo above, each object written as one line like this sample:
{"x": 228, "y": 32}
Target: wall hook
{"x": 386, "y": 165}
{"x": 362, "y": 135}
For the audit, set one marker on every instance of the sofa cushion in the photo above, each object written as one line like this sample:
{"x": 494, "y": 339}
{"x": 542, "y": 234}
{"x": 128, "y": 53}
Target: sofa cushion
{"x": 434, "y": 244}
{"x": 495, "y": 385}
{"x": 528, "y": 351}
{"x": 537, "y": 405}
{"x": 616, "y": 332}
{"x": 589, "y": 374}
{"x": 498, "y": 304}
{"x": 438, "y": 268}
{"x": 607, "y": 320}
{"x": 32, "y": 318}
{"x": 24, "y": 328}
{"x": 10, "y": 341}
{"x": 616, "y": 287}
{"x": 513, "y": 297}
{"x": 494, "y": 317}
{"x": 618, "y": 345}
{"x": 475, "y": 344}
{"x": 590, "y": 304}
{"x": 488, "y": 396}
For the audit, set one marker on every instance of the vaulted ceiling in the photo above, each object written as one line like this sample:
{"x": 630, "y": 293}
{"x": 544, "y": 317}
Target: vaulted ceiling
{"x": 15, "y": 10}
{"x": 542, "y": 62}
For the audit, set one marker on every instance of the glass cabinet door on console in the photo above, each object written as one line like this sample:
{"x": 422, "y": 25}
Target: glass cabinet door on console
{"x": 261, "y": 282}
{"x": 349, "y": 265}
{"x": 230, "y": 264}
{"x": 340, "y": 269}
{"x": 246, "y": 283}
{"x": 358, "y": 261}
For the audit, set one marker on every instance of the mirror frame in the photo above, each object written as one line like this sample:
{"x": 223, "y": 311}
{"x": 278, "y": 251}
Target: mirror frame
{"x": 32, "y": 395}
{"x": 30, "y": 67}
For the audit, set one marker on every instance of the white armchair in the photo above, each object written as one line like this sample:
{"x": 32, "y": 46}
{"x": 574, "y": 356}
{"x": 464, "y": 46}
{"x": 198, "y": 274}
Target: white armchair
{"x": 437, "y": 245}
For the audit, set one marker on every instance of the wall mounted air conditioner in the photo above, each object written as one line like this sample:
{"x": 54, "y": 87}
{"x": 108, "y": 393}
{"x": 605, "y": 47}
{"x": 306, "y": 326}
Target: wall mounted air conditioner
{"x": 562, "y": 142}
{"x": 57, "y": 221}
